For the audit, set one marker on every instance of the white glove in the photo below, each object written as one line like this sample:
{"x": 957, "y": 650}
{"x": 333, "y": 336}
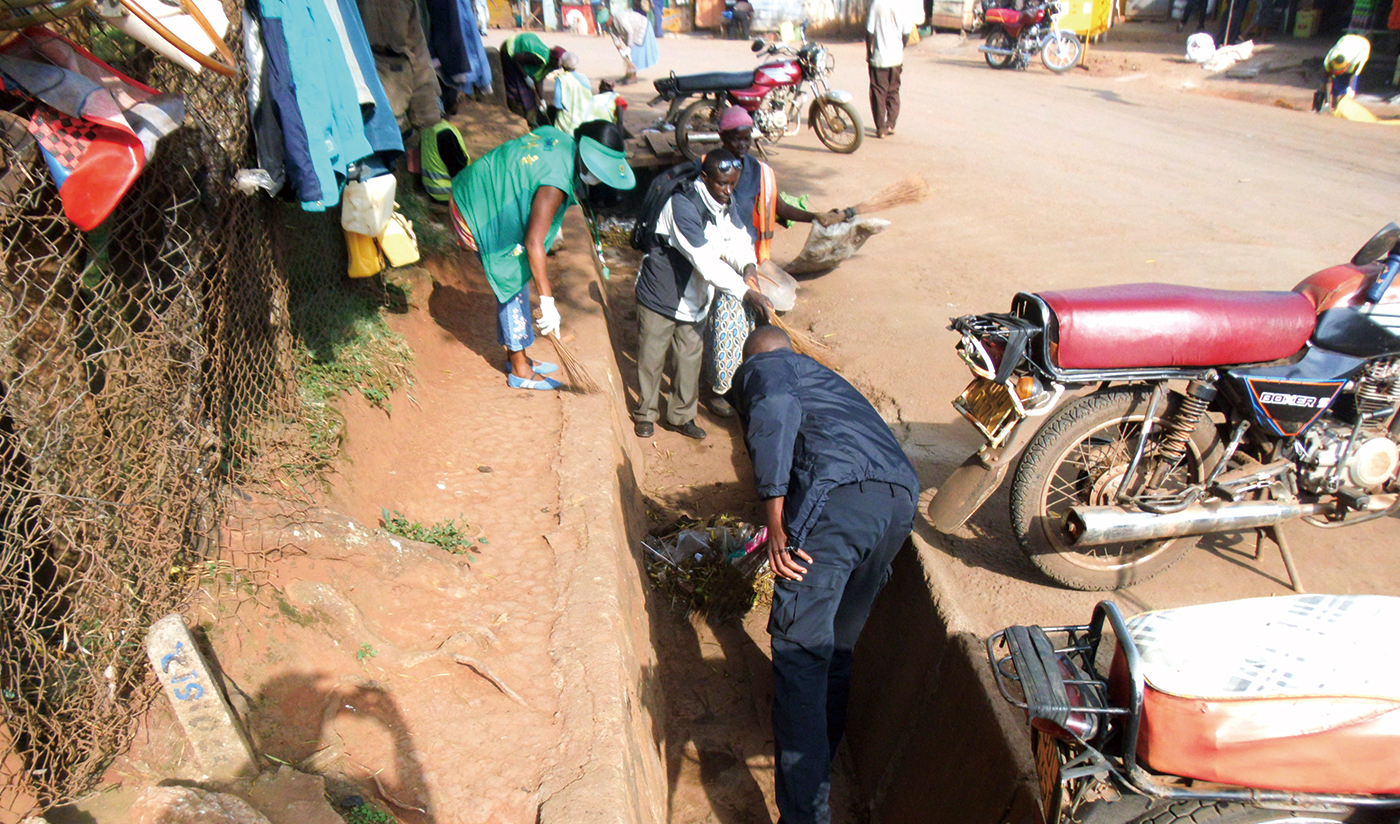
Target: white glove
{"x": 548, "y": 322}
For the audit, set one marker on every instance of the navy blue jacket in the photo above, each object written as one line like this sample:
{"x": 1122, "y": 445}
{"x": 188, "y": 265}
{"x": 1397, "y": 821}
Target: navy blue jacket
{"x": 808, "y": 432}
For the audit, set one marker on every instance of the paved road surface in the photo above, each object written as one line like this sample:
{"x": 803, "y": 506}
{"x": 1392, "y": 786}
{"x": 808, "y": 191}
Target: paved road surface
{"x": 1043, "y": 181}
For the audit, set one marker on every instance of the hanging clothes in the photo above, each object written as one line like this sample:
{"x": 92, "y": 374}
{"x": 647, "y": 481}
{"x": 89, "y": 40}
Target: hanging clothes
{"x": 405, "y": 66}
{"x": 310, "y": 48}
{"x": 454, "y": 39}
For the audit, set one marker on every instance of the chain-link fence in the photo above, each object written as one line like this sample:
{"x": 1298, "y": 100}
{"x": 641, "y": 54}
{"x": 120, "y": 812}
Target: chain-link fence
{"x": 145, "y": 367}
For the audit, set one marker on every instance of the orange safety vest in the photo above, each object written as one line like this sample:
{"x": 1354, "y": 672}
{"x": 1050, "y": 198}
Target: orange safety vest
{"x": 765, "y": 211}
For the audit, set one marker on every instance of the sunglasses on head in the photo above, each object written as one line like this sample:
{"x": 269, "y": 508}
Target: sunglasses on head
{"x": 727, "y": 165}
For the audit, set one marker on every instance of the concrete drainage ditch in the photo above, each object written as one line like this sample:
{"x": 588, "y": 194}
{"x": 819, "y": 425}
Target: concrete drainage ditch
{"x": 930, "y": 740}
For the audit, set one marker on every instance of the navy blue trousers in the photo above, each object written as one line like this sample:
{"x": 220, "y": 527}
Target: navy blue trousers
{"x": 815, "y": 623}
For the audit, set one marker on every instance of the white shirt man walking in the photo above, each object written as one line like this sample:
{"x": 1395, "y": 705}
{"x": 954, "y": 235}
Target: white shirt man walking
{"x": 888, "y": 27}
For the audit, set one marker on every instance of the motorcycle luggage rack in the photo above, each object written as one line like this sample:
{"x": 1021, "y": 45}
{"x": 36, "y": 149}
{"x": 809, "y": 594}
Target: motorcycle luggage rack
{"x": 1081, "y": 647}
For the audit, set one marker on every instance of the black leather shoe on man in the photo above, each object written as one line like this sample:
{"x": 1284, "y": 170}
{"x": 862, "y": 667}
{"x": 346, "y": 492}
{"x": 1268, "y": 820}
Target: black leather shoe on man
{"x": 688, "y": 429}
{"x": 643, "y": 429}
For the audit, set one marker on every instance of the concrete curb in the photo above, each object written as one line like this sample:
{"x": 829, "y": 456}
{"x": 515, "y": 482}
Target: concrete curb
{"x": 611, "y": 770}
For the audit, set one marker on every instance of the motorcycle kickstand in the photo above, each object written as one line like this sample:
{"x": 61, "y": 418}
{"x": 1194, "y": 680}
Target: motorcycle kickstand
{"x": 1275, "y": 533}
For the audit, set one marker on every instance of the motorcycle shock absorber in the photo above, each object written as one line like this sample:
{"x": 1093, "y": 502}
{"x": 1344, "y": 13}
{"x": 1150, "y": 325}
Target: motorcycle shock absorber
{"x": 1177, "y": 433}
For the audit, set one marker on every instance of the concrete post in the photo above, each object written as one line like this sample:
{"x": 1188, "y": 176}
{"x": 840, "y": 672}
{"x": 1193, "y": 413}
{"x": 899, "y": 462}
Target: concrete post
{"x": 209, "y": 722}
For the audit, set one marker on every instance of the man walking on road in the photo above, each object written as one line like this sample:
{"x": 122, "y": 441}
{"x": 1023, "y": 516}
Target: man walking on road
{"x": 838, "y": 496}
{"x": 886, "y": 30}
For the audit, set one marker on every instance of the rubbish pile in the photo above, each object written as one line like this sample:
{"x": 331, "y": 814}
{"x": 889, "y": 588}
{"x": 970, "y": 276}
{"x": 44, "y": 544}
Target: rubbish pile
{"x": 716, "y": 568}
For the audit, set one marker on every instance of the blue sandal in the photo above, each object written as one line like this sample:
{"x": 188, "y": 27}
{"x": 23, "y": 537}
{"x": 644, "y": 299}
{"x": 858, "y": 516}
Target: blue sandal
{"x": 540, "y": 367}
{"x": 528, "y": 383}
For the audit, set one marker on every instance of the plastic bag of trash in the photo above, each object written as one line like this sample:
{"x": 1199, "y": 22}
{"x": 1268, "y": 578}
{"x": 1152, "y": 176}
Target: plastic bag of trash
{"x": 1199, "y": 47}
{"x": 1227, "y": 56}
{"x": 827, "y": 246}
{"x": 711, "y": 567}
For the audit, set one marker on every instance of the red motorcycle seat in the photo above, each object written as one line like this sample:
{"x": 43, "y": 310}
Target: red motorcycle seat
{"x": 1160, "y": 325}
{"x": 1007, "y": 17}
{"x": 707, "y": 82}
{"x": 1279, "y": 693}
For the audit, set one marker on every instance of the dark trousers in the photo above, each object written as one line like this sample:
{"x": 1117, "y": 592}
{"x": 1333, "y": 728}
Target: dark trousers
{"x": 884, "y": 97}
{"x": 815, "y": 623}
{"x": 1198, "y": 7}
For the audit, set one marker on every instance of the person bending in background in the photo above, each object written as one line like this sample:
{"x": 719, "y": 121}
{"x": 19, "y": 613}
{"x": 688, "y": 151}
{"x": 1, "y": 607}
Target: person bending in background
{"x": 633, "y": 36}
{"x": 838, "y": 498}
{"x": 1342, "y": 69}
{"x": 696, "y": 247}
{"x": 759, "y": 209}
{"x": 508, "y": 207}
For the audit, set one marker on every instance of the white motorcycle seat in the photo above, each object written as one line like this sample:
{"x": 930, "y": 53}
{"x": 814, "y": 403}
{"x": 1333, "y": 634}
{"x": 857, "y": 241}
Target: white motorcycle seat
{"x": 1299, "y": 693}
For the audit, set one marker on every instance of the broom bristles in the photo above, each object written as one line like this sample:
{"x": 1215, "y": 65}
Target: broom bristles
{"x": 578, "y": 374}
{"x": 912, "y": 189}
{"x": 803, "y": 343}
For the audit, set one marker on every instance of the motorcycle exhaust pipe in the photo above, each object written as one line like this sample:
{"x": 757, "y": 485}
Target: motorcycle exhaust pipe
{"x": 994, "y": 50}
{"x": 1096, "y": 525}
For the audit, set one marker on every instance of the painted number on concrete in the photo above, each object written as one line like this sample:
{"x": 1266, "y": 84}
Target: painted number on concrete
{"x": 182, "y": 691}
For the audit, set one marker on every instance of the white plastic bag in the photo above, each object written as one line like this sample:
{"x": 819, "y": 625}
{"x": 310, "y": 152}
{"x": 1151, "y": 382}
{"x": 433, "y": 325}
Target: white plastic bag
{"x": 827, "y": 246}
{"x": 367, "y": 205}
{"x": 1199, "y": 47}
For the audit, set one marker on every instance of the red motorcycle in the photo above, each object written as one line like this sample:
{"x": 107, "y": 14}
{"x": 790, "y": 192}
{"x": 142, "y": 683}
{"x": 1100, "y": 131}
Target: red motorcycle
{"x": 1014, "y": 37}
{"x": 775, "y": 94}
{"x": 1146, "y": 413}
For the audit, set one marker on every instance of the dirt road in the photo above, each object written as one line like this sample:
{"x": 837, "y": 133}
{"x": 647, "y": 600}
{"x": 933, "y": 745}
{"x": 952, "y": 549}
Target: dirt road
{"x": 1043, "y": 181}
{"x": 1139, "y": 169}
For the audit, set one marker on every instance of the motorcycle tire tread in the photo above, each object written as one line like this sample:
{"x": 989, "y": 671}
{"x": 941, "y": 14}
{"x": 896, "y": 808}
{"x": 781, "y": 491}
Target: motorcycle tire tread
{"x": 1099, "y": 407}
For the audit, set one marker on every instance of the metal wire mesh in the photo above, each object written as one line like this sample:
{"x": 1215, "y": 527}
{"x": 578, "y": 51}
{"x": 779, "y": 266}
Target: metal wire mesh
{"x": 145, "y": 369}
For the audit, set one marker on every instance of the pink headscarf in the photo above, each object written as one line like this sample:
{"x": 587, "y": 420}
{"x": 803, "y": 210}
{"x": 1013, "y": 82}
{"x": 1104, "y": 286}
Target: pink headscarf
{"x": 734, "y": 118}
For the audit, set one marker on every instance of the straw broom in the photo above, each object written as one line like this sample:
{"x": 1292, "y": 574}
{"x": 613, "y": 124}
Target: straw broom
{"x": 802, "y": 343}
{"x": 578, "y": 374}
{"x": 909, "y": 190}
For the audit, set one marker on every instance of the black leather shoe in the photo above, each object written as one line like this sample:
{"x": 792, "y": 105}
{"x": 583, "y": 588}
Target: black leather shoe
{"x": 688, "y": 429}
{"x": 720, "y": 407}
{"x": 643, "y": 429}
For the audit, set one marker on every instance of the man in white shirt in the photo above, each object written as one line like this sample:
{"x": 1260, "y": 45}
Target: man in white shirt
{"x": 888, "y": 27}
{"x": 696, "y": 233}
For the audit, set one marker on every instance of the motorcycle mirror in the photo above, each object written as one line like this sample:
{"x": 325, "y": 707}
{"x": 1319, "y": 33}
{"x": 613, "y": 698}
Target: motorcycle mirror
{"x": 1378, "y": 247}
{"x": 758, "y": 45}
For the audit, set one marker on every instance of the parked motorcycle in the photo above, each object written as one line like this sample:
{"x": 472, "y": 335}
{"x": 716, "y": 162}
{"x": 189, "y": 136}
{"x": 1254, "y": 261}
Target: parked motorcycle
{"x": 1244, "y": 712}
{"x": 775, "y": 94}
{"x": 1148, "y": 413}
{"x": 1014, "y": 37}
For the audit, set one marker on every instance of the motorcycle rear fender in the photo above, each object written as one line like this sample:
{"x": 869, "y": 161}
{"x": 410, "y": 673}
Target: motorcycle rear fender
{"x": 973, "y": 483}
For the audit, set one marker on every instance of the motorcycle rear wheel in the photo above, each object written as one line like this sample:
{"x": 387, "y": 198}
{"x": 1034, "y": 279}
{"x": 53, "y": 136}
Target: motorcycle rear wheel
{"x": 837, "y": 125}
{"x": 1062, "y": 52}
{"x": 1196, "y": 812}
{"x": 1078, "y": 459}
{"x": 697, "y": 129}
{"x": 997, "y": 38}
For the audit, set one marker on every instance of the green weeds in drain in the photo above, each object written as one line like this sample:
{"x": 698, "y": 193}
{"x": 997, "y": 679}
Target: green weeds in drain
{"x": 367, "y": 814}
{"x": 450, "y": 534}
{"x": 434, "y": 235}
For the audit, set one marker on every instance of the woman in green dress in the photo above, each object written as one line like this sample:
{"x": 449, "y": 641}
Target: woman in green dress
{"x": 508, "y": 206}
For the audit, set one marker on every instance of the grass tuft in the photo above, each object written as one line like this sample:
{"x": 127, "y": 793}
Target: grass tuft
{"x": 450, "y": 535}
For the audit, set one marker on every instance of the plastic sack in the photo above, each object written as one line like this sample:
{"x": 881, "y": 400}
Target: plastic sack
{"x": 365, "y": 259}
{"x": 367, "y": 205}
{"x": 1227, "y": 56}
{"x": 1200, "y": 47}
{"x": 398, "y": 243}
{"x": 827, "y": 246}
